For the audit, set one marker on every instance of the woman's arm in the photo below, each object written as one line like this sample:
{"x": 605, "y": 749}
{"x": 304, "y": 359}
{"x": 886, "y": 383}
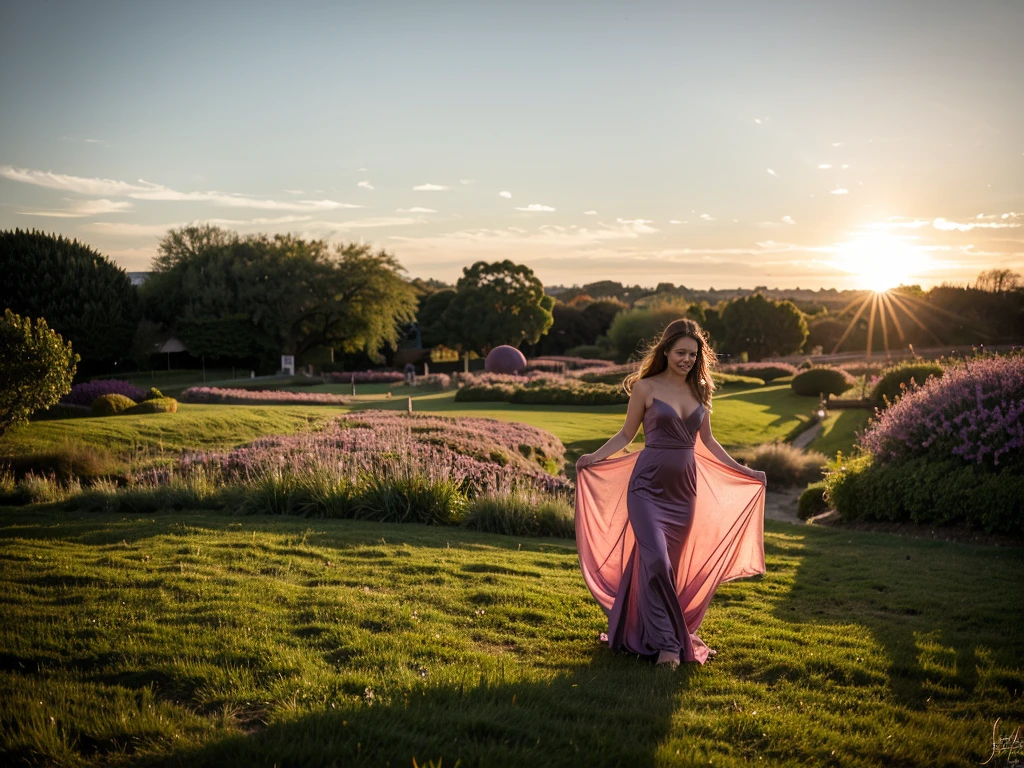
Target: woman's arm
{"x": 719, "y": 452}
{"x": 622, "y": 438}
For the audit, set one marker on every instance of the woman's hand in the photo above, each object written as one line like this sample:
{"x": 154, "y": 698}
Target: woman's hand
{"x": 585, "y": 461}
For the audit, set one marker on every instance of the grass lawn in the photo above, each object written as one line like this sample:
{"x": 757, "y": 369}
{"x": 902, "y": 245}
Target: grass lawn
{"x": 743, "y": 416}
{"x": 193, "y": 427}
{"x": 242, "y": 641}
{"x": 839, "y": 434}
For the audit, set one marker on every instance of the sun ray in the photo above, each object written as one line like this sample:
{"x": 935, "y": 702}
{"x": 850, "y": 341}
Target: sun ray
{"x": 871, "y": 321}
{"x": 895, "y": 318}
{"x": 851, "y": 325}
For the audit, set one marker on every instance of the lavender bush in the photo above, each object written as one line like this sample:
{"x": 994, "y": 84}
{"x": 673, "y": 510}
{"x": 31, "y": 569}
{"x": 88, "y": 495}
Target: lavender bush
{"x": 365, "y": 377}
{"x": 259, "y": 397}
{"x": 975, "y": 411}
{"x": 480, "y": 455}
{"x": 85, "y": 393}
{"x": 558, "y": 363}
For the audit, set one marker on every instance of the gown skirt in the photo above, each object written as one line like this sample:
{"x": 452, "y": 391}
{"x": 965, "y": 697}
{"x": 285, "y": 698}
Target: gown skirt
{"x": 659, "y": 529}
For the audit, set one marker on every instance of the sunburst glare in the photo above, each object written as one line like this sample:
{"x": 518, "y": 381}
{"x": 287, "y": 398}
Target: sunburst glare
{"x": 880, "y": 261}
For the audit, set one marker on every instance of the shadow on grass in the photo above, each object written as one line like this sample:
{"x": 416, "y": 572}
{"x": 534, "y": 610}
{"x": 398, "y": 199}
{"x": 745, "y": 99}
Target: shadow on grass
{"x": 930, "y": 606}
{"x": 611, "y": 710}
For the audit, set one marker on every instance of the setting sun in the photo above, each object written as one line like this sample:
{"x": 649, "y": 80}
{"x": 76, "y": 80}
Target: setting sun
{"x": 880, "y": 262}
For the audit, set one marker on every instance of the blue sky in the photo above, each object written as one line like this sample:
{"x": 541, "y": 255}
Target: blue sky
{"x": 707, "y": 144}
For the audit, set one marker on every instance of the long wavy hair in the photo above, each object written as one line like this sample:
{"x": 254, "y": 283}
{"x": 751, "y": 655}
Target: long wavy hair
{"x": 655, "y": 359}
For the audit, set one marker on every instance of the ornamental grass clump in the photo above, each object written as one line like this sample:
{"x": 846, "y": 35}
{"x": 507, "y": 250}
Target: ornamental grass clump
{"x": 975, "y": 412}
{"x": 86, "y": 393}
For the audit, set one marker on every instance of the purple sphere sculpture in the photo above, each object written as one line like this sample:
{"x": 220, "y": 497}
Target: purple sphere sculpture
{"x": 505, "y": 359}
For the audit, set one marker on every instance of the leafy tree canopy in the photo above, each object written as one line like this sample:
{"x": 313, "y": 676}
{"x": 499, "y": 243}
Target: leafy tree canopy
{"x": 495, "y": 304}
{"x": 36, "y": 368}
{"x": 233, "y": 296}
{"x": 83, "y": 296}
{"x": 762, "y": 327}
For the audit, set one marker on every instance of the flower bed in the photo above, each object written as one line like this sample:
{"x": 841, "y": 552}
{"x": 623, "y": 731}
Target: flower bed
{"x": 365, "y": 377}
{"x": 558, "y": 363}
{"x": 259, "y": 397}
{"x": 537, "y": 389}
{"x": 480, "y": 455}
{"x": 764, "y": 371}
{"x": 85, "y": 393}
{"x": 975, "y": 411}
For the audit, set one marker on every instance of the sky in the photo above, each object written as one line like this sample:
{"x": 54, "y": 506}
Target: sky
{"x": 707, "y": 144}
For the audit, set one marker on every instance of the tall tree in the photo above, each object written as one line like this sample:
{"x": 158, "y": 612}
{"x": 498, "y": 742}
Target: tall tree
{"x": 83, "y": 296}
{"x": 233, "y": 296}
{"x": 763, "y": 327}
{"x": 998, "y": 280}
{"x": 495, "y": 304}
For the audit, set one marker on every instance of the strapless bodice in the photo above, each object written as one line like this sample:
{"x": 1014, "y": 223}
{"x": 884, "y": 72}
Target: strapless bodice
{"x": 664, "y": 428}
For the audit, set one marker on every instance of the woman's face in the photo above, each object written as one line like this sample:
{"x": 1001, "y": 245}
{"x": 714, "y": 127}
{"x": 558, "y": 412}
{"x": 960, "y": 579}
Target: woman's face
{"x": 682, "y": 355}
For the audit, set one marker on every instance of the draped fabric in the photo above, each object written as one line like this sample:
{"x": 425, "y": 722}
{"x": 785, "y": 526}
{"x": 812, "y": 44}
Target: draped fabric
{"x": 725, "y": 540}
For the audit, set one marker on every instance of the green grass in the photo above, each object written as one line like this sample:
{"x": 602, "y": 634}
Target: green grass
{"x": 213, "y": 640}
{"x": 839, "y": 434}
{"x": 193, "y": 427}
{"x": 741, "y": 417}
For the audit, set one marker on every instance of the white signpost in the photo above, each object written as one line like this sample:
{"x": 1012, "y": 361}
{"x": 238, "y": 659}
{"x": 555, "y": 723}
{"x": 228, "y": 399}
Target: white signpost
{"x": 288, "y": 364}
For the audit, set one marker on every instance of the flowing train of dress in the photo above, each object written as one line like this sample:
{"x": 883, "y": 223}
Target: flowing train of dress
{"x": 659, "y": 529}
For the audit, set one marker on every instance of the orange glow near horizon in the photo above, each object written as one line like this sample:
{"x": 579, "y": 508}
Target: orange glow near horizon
{"x": 880, "y": 262}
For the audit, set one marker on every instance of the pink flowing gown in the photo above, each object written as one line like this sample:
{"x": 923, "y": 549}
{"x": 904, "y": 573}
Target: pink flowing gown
{"x": 659, "y": 529}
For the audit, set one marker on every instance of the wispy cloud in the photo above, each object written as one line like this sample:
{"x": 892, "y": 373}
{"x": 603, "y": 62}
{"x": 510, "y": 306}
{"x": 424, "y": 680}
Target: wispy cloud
{"x": 788, "y": 220}
{"x": 708, "y": 217}
{"x": 82, "y": 208}
{"x": 840, "y": 191}
{"x": 824, "y": 166}
{"x": 144, "y": 190}
{"x": 506, "y": 194}
{"x": 430, "y": 188}
{"x": 639, "y": 226}
{"x": 415, "y": 210}
{"x": 590, "y": 213}
{"x": 293, "y": 191}
{"x": 364, "y": 185}
{"x": 995, "y": 221}
{"x": 467, "y": 181}
{"x": 536, "y": 208}
{"x": 771, "y": 172}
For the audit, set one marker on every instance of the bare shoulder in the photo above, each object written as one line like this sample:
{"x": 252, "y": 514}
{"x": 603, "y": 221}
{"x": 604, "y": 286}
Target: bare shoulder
{"x": 643, "y": 388}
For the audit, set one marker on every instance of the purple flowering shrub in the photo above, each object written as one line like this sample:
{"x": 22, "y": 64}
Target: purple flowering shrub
{"x": 365, "y": 377}
{"x": 559, "y": 363}
{"x": 480, "y": 455}
{"x": 259, "y": 397}
{"x": 85, "y": 393}
{"x": 975, "y": 411}
{"x": 536, "y": 388}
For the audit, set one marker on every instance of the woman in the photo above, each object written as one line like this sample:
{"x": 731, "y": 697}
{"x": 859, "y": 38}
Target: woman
{"x": 659, "y": 529}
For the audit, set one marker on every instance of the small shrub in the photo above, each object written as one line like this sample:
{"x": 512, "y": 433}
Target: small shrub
{"x": 766, "y": 372}
{"x": 86, "y": 393}
{"x": 812, "y": 501}
{"x": 154, "y": 394}
{"x": 521, "y": 512}
{"x": 898, "y": 379}
{"x": 822, "y": 380}
{"x": 155, "y": 405}
{"x": 111, "y": 405}
{"x": 785, "y": 465}
{"x": 925, "y": 491}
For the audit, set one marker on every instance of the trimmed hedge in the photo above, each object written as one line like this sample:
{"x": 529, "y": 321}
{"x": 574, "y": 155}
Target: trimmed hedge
{"x": 822, "y": 380}
{"x": 111, "y": 405}
{"x": 155, "y": 405}
{"x": 924, "y": 490}
{"x": 812, "y": 501}
{"x": 895, "y": 380}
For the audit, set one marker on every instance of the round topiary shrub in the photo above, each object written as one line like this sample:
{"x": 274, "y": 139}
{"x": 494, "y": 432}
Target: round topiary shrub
{"x": 812, "y": 501}
{"x": 505, "y": 359}
{"x": 896, "y": 380}
{"x": 156, "y": 405}
{"x": 111, "y": 405}
{"x": 822, "y": 380}
{"x": 154, "y": 394}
